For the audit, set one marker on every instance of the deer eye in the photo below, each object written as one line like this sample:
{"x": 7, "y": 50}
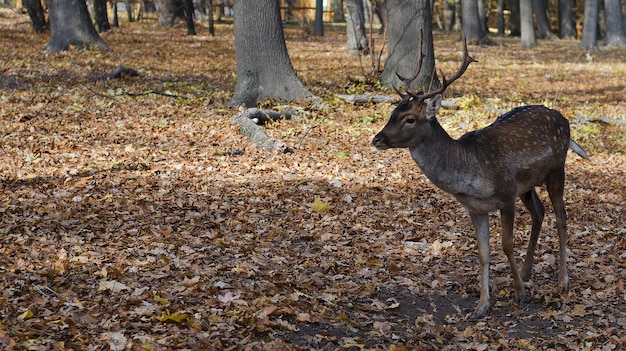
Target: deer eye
{"x": 410, "y": 120}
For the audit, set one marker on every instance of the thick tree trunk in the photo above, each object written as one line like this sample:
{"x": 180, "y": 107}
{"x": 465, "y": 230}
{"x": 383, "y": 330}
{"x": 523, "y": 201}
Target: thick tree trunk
{"x": 264, "y": 70}
{"x": 543, "y": 22}
{"x": 36, "y": 14}
{"x": 408, "y": 22}
{"x": 357, "y": 42}
{"x": 70, "y": 24}
{"x": 101, "y": 15}
{"x": 116, "y": 22}
{"x": 169, "y": 12}
{"x": 567, "y": 26}
{"x": 615, "y": 33}
{"x": 526, "y": 19}
{"x": 590, "y": 25}
{"x": 381, "y": 9}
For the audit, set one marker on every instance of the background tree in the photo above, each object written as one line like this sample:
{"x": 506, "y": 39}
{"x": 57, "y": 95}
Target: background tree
{"x": 473, "y": 21}
{"x": 528, "y": 28}
{"x": 101, "y": 15}
{"x": 615, "y": 33}
{"x": 540, "y": 8}
{"x": 515, "y": 26}
{"x": 318, "y": 29}
{"x": 37, "y": 15}
{"x": 264, "y": 70}
{"x": 590, "y": 26}
{"x": 567, "y": 26}
{"x": 70, "y": 24}
{"x": 408, "y": 21}
{"x": 357, "y": 42}
{"x": 188, "y": 8}
{"x": 169, "y": 11}
{"x": 337, "y": 6}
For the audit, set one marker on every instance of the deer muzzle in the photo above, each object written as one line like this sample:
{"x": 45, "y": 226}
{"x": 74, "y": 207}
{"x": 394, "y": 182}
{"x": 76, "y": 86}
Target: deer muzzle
{"x": 380, "y": 141}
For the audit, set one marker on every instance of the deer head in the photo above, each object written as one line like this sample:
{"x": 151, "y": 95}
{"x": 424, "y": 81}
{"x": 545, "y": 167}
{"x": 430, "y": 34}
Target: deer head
{"x": 408, "y": 123}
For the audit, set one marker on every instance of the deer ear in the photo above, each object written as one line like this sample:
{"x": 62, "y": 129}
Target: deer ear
{"x": 432, "y": 106}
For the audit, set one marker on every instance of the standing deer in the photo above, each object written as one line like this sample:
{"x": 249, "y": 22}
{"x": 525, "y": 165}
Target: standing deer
{"x": 486, "y": 169}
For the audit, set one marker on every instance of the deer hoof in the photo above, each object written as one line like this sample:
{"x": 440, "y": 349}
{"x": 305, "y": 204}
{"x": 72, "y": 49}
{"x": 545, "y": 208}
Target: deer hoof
{"x": 481, "y": 310}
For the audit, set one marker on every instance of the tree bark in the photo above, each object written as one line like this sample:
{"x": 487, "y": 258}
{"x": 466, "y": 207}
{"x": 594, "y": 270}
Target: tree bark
{"x": 357, "y": 42}
{"x": 590, "y": 26}
{"x": 500, "y": 18}
{"x": 473, "y": 27}
{"x": 526, "y": 20}
{"x": 169, "y": 12}
{"x": 264, "y": 70}
{"x": 615, "y": 33}
{"x": 70, "y": 24}
{"x": 409, "y": 21}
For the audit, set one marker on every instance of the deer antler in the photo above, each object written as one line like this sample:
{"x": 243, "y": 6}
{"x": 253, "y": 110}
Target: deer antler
{"x": 407, "y": 81}
{"x": 467, "y": 59}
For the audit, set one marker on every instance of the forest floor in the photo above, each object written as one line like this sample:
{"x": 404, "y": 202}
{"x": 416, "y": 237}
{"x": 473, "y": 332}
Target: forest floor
{"x": 134, "y": 215}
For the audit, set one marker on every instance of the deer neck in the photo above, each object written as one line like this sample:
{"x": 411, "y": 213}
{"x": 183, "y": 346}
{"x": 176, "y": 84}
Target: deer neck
{"x": 448, "y": 164}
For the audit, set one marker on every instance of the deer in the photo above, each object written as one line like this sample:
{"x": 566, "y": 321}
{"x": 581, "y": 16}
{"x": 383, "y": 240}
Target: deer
{"x": 485, "y": 170}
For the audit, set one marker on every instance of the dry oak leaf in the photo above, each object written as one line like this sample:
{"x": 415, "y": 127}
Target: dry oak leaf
{"x": 112, "y": 285}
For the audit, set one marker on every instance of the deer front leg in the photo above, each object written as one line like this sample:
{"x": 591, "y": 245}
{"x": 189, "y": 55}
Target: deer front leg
{"x": 507, "y": 215}
{"x": 481, "y": 222}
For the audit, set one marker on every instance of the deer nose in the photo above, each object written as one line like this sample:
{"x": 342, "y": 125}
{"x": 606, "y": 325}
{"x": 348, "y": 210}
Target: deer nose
{"x": 380, "y": 140}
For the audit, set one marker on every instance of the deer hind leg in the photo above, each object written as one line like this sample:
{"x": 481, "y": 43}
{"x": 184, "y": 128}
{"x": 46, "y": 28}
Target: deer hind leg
{"x": 481, "y": 223}
{"x": 555, "y": 184}
{"x": 507, "y": 216}
{"x": 537, "y": 212}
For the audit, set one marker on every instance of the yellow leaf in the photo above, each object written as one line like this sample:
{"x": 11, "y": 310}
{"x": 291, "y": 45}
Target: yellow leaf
{"x": 347, "y": 346}
{"x": 393, "y": 347}
{"x": 178, "y": 318}
{"x": 146, "y": 347}
{"x": 26, "y": 315}
{"x": 319, "y": 206}
{"x": 161, "y": 300}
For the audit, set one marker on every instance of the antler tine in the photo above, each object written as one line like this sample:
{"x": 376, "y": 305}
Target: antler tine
{"x": 407, "y": 81}
{"x": 467, "y": 59}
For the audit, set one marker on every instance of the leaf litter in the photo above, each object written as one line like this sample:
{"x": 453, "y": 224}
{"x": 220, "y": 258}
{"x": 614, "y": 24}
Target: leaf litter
{"x": 128, "y": 222}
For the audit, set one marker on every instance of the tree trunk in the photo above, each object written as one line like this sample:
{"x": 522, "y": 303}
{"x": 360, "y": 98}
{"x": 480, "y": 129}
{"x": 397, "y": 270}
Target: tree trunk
{"x": 409, "y": 21}
{"x": 500, "y": 17}
{"x": 526, "y": 20}
{"x": 357, "y": 42}
{"x": 70, "y": 24}
{"x": 169, "y": 12}
{"x": 472, "y": 25}
{"x": 338, "y": 15}
{"x": 514, "y": 18}
{"x": 101, "y": 15}
{"x": 449, "y": 14}
{"x": 264, "y": 70}
{"x": 36, "y": 14}
{"x": 116, "y": 21}
{"x": 319, "y": 18}
{"x": 543, "y": 22}
{"x": 188, "y": 8}
{"x": 590, "y": 26}
{"x": 615, "y": 33}
{"x": 381, "y": 9}
{"x": 567, "y": 26}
